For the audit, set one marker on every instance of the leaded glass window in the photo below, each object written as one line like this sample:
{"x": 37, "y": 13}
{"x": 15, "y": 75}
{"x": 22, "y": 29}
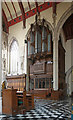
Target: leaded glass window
{"x": 14, "y": 58}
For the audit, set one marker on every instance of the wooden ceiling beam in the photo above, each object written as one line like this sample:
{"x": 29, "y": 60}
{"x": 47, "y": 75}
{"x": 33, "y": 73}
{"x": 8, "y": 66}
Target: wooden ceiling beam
{"x": 54, "y": 7}
{"x": 23, "y": 12}
{"x": 29, "y": 5}
{"x": 14, "y": 8}
{"x": 36, "y": 5}
{"x": 8, "y": 10}
{"x": 5, "y": 20}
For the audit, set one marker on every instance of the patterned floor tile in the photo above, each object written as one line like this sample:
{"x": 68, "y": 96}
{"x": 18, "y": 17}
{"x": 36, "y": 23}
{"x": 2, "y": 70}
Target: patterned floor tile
{"x": 45, "y": 109}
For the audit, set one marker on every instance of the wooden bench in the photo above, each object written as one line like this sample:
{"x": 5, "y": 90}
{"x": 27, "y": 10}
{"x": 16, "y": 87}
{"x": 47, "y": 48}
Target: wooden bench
{"x": 14, "y": 102}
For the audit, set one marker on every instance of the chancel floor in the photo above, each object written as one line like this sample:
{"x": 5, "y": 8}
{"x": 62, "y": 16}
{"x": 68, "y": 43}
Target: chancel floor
{"x": 45, "y": 109}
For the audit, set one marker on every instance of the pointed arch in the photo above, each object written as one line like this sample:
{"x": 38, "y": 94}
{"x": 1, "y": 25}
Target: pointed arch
{"x": 13, "y": 55}
{"x": 62, "y": 20}
{"x": 11, "y": 41}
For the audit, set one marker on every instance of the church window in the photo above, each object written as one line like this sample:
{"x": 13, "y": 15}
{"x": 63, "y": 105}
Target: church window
{"x": 14, "y": 58}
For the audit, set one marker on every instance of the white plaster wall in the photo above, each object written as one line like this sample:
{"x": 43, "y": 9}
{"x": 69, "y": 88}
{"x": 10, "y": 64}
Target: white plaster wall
{"x": 47, "y": 14}
{"x": 68, "y": 55}
{"x": 72, "y": 65}
{"x": 68, "y": 46}
{"x": 4, "y": 55}
{"x": 61, "y": 9}
{"x": 63, "y": 39}
{"x": 68, "y": 64}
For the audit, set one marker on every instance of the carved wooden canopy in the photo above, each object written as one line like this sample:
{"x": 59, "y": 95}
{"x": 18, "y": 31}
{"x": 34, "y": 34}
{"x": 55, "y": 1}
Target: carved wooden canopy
{"x": 39, "y": 39}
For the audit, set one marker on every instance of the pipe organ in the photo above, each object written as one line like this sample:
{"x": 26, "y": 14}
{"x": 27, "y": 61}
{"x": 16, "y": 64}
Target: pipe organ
{"x": 40, "y": 52}
{"x": 40, "y": 58}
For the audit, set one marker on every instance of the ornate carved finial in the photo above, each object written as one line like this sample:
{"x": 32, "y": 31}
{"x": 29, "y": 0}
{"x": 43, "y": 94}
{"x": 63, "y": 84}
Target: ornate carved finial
{"x": 37, "y": 17}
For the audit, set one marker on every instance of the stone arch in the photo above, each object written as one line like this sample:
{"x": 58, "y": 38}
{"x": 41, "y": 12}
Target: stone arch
{"x": 60, "y": 24}
{"x": 62, "y": 20}
{"x": 11, "y": 41}
{"x": 27, "y": 36}
{"x": 9, "y": 52}
{"x": 68, "y": 72}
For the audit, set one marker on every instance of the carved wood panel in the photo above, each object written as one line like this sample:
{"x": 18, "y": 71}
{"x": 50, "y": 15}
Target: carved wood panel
{"x": 17, "y": 82}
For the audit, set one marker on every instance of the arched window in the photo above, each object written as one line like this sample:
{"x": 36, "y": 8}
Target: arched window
{"x": 14, "y": 58}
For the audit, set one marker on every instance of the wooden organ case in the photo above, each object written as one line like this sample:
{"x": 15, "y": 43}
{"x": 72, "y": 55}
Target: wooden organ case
{"x": 40, "y": 57}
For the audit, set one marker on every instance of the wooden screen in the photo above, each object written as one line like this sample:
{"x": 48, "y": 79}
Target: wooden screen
{"x": 43, "y": 83}
{"x": 17, "y": 82}
{"x": 41, "y": 73}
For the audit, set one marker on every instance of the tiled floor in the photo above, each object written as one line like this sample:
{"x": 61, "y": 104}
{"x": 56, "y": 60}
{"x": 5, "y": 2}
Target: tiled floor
{"x": 45, "y": 109}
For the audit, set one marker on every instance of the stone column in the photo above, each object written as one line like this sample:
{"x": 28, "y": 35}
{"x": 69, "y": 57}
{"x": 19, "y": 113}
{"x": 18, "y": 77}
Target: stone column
{"x": 55, "y": 62}
{"x": 25, "y": 58}
{"x": 8, "y": 61}
{"x": 25, "y": 67}
{"x": 55, "y": 50}
{"x": 72, "y": 65}
{"x": 0, "y": 46}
